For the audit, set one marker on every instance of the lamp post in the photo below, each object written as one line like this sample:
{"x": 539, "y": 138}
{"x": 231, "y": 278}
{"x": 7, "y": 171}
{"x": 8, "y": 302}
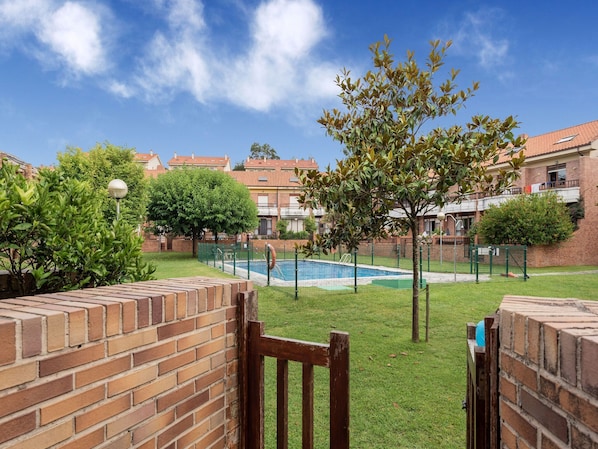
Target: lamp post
{"x": 458, "y": 224}
{"x": 117, "y": 189}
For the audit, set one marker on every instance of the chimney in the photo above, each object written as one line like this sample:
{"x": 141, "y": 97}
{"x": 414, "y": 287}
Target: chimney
{"x": 151, "y": 152}
{"x": 175, "y": 155}
{"x": 192, "y": 155}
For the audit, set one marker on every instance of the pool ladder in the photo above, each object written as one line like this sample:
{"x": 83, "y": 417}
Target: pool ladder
{"x": 346, "y": 258}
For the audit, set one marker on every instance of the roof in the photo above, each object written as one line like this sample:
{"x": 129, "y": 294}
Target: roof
{"x": 144, "y": 157}
{"x": 562, "y": 139}
{"x": 266, "y": 178}
{"x": 199, "y": 161}
{"x": 273, "y": 164}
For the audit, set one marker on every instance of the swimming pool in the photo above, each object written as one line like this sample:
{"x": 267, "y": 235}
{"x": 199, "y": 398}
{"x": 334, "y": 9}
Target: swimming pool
{"x": 315, "y": 272}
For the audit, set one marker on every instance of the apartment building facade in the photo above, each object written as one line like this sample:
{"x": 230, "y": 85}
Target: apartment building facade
{"x": 564, "y": 161}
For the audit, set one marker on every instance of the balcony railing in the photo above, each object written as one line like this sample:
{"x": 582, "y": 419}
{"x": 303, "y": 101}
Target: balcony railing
{"x": 559, "y": 184}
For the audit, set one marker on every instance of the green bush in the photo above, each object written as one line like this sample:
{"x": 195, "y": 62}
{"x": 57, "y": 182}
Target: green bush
{"x": 537, "y": 219}
{"x": 54, "y": 229}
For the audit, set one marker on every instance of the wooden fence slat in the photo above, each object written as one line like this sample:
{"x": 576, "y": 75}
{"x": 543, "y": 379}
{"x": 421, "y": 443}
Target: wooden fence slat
{"x": 247, "y": 312}
{"x": 255, "y": 395}
{"x": 282, "y": 404}
{"x": 293, "y": 350}
{"x": 308, "y": 406}
{"x": 339, "y": 390}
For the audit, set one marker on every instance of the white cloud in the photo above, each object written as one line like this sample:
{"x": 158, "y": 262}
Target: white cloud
{"x": 278, "y": 65}
{"x": 74, "y": 32}
{"x": 475, "y": 36}
{"x": 67, "y": 34}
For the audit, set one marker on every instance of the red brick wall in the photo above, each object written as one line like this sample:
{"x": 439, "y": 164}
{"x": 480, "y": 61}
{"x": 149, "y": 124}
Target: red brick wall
{"x": 548, "y": 373}
{"x": 145, "y": 365}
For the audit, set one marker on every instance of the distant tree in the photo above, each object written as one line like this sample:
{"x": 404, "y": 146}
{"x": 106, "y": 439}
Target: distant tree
{"x": 264, "y": 151}
{"x": 99, "y": 166}
{"x": 282, "y": 227}
{"x": 537, "y": 219}
{"x": 190, "y": 201}
{"x": 239, "y": 166}
{"x": 398, "y": 168}
{"x": 54, "y": 229}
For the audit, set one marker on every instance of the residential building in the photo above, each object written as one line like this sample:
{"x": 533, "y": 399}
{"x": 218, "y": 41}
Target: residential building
{"x": 152, "y": 165}
{"x": 209, "y": 162}
{"x": 275, "y": 188}
{"x": 564, "y": 161}
{"x": 24, "y": 167}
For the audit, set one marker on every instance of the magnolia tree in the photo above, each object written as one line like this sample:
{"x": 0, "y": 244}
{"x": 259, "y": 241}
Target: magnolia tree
{"x": 398, "y": 166}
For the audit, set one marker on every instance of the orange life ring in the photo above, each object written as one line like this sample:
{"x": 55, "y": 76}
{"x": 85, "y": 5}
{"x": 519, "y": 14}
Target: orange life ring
{"x": 272, "y": 257}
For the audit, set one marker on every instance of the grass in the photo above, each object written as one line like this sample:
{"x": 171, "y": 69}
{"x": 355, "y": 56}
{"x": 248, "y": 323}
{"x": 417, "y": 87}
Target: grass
{"x": 403, "y": 394}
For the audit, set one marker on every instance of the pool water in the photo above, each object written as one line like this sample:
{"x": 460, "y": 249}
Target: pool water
{"x": 313, "y": 269}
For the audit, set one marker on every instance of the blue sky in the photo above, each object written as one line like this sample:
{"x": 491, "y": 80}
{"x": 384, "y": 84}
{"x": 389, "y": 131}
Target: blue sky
{"x": 212, "y": 77}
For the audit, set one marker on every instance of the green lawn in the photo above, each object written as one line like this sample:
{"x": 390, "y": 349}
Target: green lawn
{"x": 403, "y": 395}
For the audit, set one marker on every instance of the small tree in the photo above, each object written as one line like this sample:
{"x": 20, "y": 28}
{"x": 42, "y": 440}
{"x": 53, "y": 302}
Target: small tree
{"x": 282, "y": 227}
{"x": 54, "y": 229}
{"x": 190, "y": 201}
{"x": 398, "y": 168}
{"x": 264, "y": 151}
{"x": 98, "y": 167}
{"x": 537, "y": 219}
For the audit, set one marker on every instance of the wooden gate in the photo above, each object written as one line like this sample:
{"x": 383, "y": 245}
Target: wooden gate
{"x": 256, "y": 345}
{"x": 483, "y": 426}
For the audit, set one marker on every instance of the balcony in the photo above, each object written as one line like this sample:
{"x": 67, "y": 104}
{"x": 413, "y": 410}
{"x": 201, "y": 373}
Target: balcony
{"x": 299, "y": 212}
{"x": 267, "y": 210}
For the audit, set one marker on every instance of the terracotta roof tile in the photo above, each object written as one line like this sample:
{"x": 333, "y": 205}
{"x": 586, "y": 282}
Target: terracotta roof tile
{"x": 266, "y": 178}
{"x": 563, "y": 139}
{"x": 284, "y": 164}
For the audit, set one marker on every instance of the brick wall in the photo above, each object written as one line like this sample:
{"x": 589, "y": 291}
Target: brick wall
{"x": 145, "y": 365}
{"x": 548, "y": 373}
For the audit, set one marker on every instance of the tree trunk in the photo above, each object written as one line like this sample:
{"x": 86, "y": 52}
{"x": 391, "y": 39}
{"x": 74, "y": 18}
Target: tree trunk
{"x": 415, "y": 295}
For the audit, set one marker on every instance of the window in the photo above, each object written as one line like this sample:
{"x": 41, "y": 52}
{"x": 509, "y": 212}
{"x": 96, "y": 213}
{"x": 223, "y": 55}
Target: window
{"x": 265, "y": 226}
{"x": 557, "y": 176}
{"x": 566, "y": 139}
{"x": 262, "y": 200}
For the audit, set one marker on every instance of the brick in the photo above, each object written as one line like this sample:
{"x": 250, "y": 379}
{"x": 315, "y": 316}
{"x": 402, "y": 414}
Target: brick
{"x": 132, "y": 341}
{"x": 112, "y": 311}
{"x": 17, "y": 375}
{"x": 95, "y": 313}
{"x": 128, "y": 313}
{"x": 519, "y": 424}
{"x": 102, "y": 413}
{"x": 131, "y": 380}
{"x": 76, "y": 321}
{"x": 119, "y": 442}
{"x": 46, "y": 438}
{"x": 551, "y": 349}
{"x": 181, "y": 305}
{"x": 170, "y": 399}
{"x": 517, "y": 369}
{"x": 8, "y": 341}
{"x": 154, "y": 389}
{"x": 175, "y": 362}
{"x": 152, "y": 426}
{"x": 547, "y": 443}
{"x": 192, "y": 403}
{"x": 66, "y": 405}
{"x": 519, "y": 333}
{"x": 581, "y": 408}
{"x": 582, "y": 439}
{"x": 209, "y": 379}
{"x": 545, "y": 415}
{"x": 71, "y": 359}
{"x": 202, "y": 300}
{"x": 157, "y": 310}
{"x": 218, "y": 331}
{"x": 505, "y": 329}
{"x": 218, "y": 359}
{"x": 211, "y": 298}
{"x": 173, "y": 431}
{"x": 209, "y": 318}
{"x": 589, "y": 365}
{"x": 176, "y": 328}
{"x": 169, "y": 307}
{"x": 102, "y": 371}
{"x": 17, "y": 426}
{"x": 568, "y": 357}
{"x": 549, "y": 389}
{"x": 191, "y": 372}
{"x": 129, "y": 420}
{"x": 209, "y": 409}
{"x": 154, "y": 353}
{"x": 93, "y": 439}
{"x": 210, "y": 348}
{"x": 30, "y": 331}
{"x": 22, "y": 399}
{"x": 55, "y": 327}
{"x": 214, "y": 439}
{"x": 197, "y": 338}
{"x": 194, "y": 435}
